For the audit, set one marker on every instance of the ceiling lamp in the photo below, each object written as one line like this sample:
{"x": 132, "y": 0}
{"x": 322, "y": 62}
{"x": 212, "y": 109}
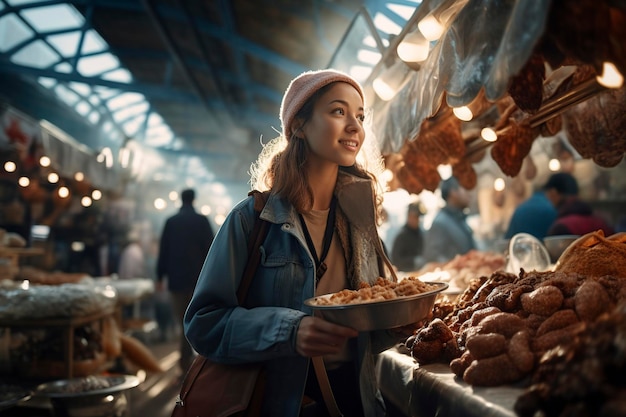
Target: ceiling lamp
{"x": 489, "y": 134}
{"x": 387, "y": 84}
{"x": 611, "y": 77}
{"x": 463, "y": 113}
{"x": 414, "y": 47}
{"x": 44, "y": 161}
{"x": 437, "y": 21}
{"x": 10, "y": 166}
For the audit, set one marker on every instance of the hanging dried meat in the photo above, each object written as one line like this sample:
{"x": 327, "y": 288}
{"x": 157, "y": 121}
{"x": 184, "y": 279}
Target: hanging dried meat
{"x": 512, "y": 147}
{"x": 526, "y": 88}
{"x": 596, "y": 128}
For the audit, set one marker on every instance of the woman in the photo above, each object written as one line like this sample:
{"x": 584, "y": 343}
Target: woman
{"x": 315, "y": 181}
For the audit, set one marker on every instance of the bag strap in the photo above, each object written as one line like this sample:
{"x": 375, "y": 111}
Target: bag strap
{"x": 256, "y": 238}
{"x": 324, "y": 383}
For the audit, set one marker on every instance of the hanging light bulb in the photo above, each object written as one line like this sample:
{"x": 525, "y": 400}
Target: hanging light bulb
{"x": 387, "y": 84}
{"x": 611, "y": 77}
{"x": 431, "y": 27}
{"x": 437, "y": 21}
{"x": 10, "y": 166}
{"x": 499, "y": 184}
{"x": 44, "y": 161}
{"x": 554, "y": 165}
{"x": 414, "y": 47}
{"x": 489, "y": 134}
{"x": 463, "y": 113}
{"x": 53, "y": 178}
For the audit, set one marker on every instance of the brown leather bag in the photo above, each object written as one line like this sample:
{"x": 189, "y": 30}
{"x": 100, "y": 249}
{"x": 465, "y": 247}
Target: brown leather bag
{"x": 212, "y": 389}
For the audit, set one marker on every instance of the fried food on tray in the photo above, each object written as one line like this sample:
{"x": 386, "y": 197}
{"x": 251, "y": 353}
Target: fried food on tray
{"x": 383, "y": 289}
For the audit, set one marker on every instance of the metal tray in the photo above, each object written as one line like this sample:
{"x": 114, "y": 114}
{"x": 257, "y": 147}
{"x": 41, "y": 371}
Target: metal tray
{"x": 378, "y": 315}
{"x": 70, "y": 388}
{"x": 13, "y": 397}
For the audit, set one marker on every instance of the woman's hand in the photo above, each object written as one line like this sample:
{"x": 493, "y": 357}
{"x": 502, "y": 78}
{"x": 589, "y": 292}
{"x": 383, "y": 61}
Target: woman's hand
{"x": 317, "y": 337}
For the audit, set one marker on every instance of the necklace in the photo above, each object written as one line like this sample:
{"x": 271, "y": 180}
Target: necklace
{"x": 320, "y": 265}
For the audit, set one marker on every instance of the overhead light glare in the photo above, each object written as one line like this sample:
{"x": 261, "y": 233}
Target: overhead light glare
{"x": 611, "y": 77}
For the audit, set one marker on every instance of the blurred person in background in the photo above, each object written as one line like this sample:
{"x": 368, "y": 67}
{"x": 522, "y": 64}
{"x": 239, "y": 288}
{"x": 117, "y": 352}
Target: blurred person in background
{"x": 577, "y": 217}
{"x": 535, "y": 215}
{"x": 184, "y": 243}
{"x": 132, "y": 260}
{"x": 450, "y": 235}
{"x": 132, "y": 265}
{"x": 408, "y": 246}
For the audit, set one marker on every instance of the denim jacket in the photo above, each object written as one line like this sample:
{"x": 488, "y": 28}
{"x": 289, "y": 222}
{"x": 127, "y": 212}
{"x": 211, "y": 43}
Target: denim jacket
{"x": 265, "y": 330}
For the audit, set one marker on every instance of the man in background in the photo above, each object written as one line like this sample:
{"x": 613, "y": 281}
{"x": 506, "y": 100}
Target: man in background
{"x": 450, "y": 235}
{"x": 406, "y": 252}
{"x": 184, "y": 243}
{"x": 535, "y": 215}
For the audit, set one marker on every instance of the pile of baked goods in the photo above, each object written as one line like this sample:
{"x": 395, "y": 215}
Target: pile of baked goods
{"x": 460, "y": 270}
{"x": 382, "y": 289}
{"x": 503, "y": 327}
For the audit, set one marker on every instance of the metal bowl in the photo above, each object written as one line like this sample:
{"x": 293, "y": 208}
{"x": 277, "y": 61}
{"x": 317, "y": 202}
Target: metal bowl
{"x": 378, "y": 315}
{"x": 87, "y": 386}
{"x": 89, "y": 396}
{"x": 11, "y": 395}
{"x": 556, "y": 245}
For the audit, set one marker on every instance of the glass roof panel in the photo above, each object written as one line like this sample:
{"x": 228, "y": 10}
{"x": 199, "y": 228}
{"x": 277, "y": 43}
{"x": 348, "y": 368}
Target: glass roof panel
{"x": 155, "y": 120}
{"x": 82, "y": 108}
{"x": 63, "y": 67}
{"x": 97, "y": 64}
{"x": 386, "y": 25}
{"x": 131, "y": 111}
{"x": 36, "y": 54}
{"x": 81, "y": 88}
{"x": 47, "y": 82}
{"x": 65, "y": 94}
{"x": 12, "y": 32}
{"x": 132, "y": 126}
{"x": 121, "y": 75}
{"x": 65, "y": 43}
{"x": 93, "y": 42}
{"x": 51, "y": 18}
{"x": 94, "y": 117}
{"x": 402, "y": 10}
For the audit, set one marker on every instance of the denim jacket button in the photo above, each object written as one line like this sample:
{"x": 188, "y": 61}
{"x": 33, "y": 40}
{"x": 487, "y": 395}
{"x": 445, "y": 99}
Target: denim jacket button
{"x": 287, "y": 226}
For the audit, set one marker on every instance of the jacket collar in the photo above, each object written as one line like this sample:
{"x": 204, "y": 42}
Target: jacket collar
{"x": 354, "y": 196}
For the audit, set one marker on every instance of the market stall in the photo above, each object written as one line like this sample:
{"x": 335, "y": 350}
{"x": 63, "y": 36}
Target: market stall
{"x": 433, "y": 390}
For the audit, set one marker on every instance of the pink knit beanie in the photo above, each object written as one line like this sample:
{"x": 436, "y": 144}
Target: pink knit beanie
{"x": 303, "y": 87}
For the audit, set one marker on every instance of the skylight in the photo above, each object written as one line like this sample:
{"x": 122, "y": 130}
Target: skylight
{"x": 36, "y": 54}
{"x": 13, "y": 31}
{"x": 63, "y": 29}
{"x": 53, "y": 18}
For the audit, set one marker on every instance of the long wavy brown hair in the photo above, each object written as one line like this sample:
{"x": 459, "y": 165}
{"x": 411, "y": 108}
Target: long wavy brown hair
{"x": 280, "y": 166}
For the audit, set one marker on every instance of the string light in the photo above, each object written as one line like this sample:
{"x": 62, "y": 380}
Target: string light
{"x": 10, "y": 166}
{"x": 44, "y": 161}
{"x": 489, "y": 134}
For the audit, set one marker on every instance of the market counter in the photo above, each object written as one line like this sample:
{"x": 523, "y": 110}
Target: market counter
{"x": 433, "y": 390}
